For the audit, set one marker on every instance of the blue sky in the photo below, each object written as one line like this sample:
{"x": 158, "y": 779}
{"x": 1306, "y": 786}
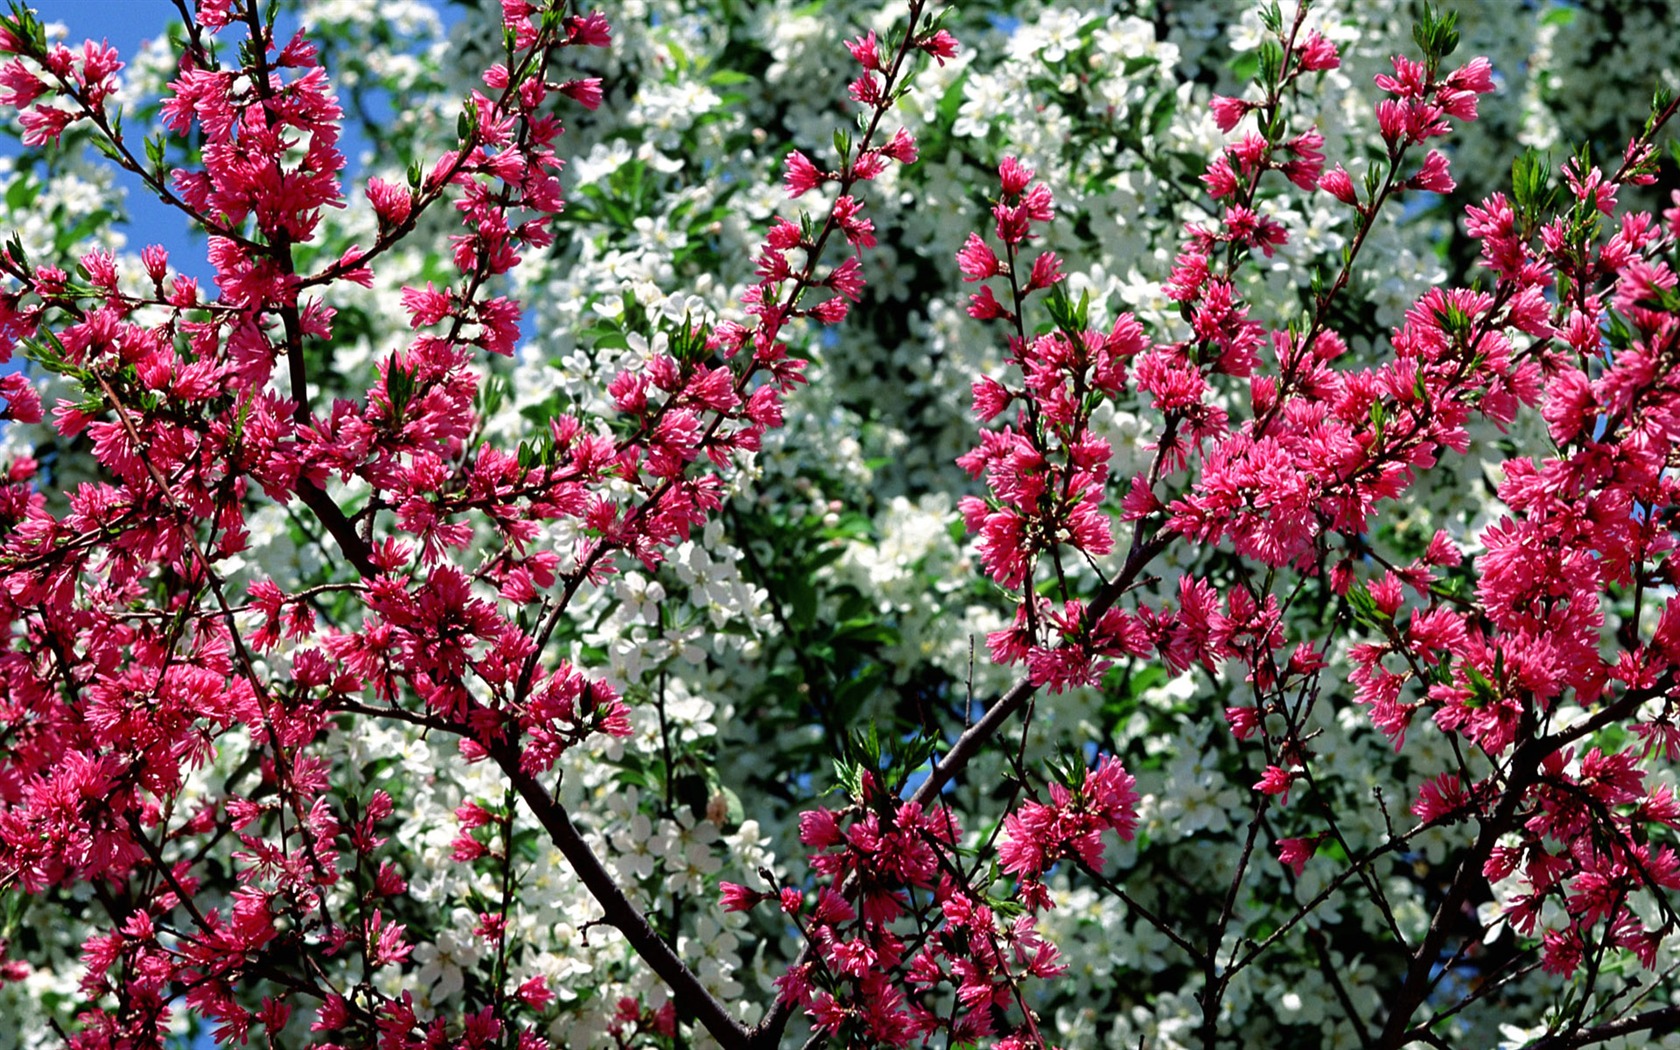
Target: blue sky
{"x": 126, "y": 25}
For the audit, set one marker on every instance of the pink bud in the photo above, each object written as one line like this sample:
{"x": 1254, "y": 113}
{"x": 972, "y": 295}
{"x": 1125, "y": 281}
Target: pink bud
{"x": 866, "y": 52}
{"x": 1338, "y": 184}
{"x": 1228, "y": 111}
{"x": 1316, "y": 53}
{"x": 1014, "y": 176}
{"x": 801, "y": 175}
{"x": 1275, "y": 781}
{"x": 1296, "y": 852}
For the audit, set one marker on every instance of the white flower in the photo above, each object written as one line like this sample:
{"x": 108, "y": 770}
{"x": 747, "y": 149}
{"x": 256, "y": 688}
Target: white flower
{"x": 444, "y": 958}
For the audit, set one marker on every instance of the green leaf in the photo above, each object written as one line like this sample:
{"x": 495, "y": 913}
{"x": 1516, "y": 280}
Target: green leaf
{"x": 850, "y": 777}
{"x": 1161, "y": 117}
{"x": 1068, "y": 315}
{"x": 950, "y": 103}
{"x": 1365, "y": 610}
{"x": 399, "y": 386}
{"x": 21, "y": 193}
{"x": 1271, "y": 62}
{"x": 66, "y": 239}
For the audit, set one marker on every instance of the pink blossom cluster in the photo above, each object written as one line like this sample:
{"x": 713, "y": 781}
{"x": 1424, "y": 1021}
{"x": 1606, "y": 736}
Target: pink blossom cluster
{"x": 1583, "y": 524}
{"x": 31, "y": 87}
{"x": 1291, "y": 477}
{"x": 1046, "y": 475}
{"x": 1546, "y": 655}
{"x": 1070, "y": 826}
{"x": 180, "y": 404}
{"x": 906, "y": 945}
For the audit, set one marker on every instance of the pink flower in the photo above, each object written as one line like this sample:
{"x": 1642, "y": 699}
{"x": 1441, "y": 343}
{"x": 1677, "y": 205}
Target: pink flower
{"x": 1475, "y": 75}
{"x": 1408, "y": 79}
{"x": 1570, "y": 405}
{"x": 43, "y": 124}
{"x": 21, "y": 86}
{"x": 801, "y": 174}
{"x": 1021, "y": 849}
{"x": 1249, "y": 151}
{"x": 1220, "y": 179}
{"x": 1296, "y": 852}
{"x": 1440, "y": 798}
{"x": 535, "y": 993}
{"x": 1316, "y": 53}
{"x": 819, "y": 829}
{"x": 155, "y": 258}
{"x": 1562, "y": 952}
{"x": 847, "y": 279}
{"x": 902, "y": 147}
{"x": 22, "y": 402}
{"x": 832, "y": 311}
{"x": 941, "y": 45}
{"x": 1111, "y": 792}
{"x": 589, "y": 30}
{"x": 1046, "y": 271}
{"x": 795, "y": 985}
{"x": 1591, "y": 186}
{"x": 1038, "y": 203}
{"x": 866, "y": 90}
{"x": 860, "y": 232}
{"x": 976, "y": 260}
{"x": 984, "y": 305}
{"x": 1013, "y": 223}
{"x": 1339, "y": 185}
{"x": 1308, "y": 150}
{"x": 1433, "y": 175}
{"x": 736, "y": 897}
{"x": 783, "y": 235}
{"x": 1442, "y": 550}
{"x": 391, "y": 202}
{"x": 865, "y": 50}
{"x": 1275, "y": 781}
{"x": 586, "y": 91}
{"x": 1391, "y": 120}
{"x": 385, "y": 941}
{"x": 990, "y": 398}
{"x": 1228, "y": 112}
{"x": 1244, "y": 721}
{"x": 1014, "y": 176}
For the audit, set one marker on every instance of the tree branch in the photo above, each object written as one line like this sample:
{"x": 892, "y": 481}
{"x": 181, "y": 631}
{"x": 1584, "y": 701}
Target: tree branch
{"x": 1666, "y": 1019}
{"x": 690, "y": 996}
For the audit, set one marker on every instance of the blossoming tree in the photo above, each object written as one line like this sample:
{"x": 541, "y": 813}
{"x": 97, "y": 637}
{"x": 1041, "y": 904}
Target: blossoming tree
{"x": 587, "y": 580}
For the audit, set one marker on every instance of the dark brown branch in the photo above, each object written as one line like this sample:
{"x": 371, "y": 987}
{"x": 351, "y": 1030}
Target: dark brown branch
{"x": 332, "y": 518}
{"x": 1666, "y": 1019}
{"x": 690, "y": 996}
{"x": 1525, "y": 766}
{"x": 977, "y": 735}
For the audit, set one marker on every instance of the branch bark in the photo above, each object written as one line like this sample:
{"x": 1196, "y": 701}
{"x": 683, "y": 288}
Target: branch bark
{"x": 691, "y": 997}
{"x": 1666, "y": 1019}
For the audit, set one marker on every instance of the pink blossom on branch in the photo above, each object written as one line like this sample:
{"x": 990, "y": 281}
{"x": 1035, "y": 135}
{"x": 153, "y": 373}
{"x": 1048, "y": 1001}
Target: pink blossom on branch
{"x": 1271, "y": 446}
